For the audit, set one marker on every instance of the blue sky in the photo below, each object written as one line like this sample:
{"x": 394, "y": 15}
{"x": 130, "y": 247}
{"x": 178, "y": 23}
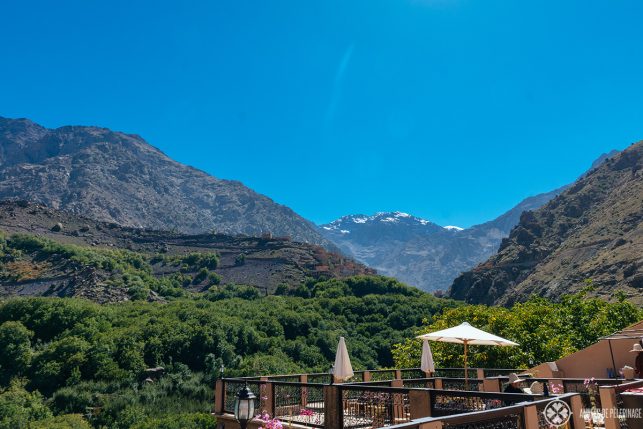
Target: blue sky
{"x": 448, "y": 109}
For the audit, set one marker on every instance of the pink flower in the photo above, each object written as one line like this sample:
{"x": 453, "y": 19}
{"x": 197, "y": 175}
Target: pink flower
{"x": 273, "y": 424}
{"x": 557, "y": 388}
{"x": 269, "y": 423}
{"x": 306, "y": 412}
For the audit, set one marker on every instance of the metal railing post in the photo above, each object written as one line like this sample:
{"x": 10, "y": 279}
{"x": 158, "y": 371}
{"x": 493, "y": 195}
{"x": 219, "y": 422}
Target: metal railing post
{"x": 480, "y": 373}
{"x": 397, "y": 383}
{"x": 333, "y": 407}
{"x": 491, "y": 385}
{"x": 219, "y": 397}
{"x": 303, "y": 391}
{"x": 268, "y": 395}
{"x": 366, "y": 376}
{"x": 576, "y": 403}
{"x": 608, "y": 402}
{"x": 438, "y": 383}
{"x": 420, "y": 403}
{"x": 530, "y": 417}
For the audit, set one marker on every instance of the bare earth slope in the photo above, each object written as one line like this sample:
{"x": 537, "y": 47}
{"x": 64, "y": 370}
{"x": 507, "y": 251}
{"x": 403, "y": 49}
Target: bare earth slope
{"x": 593, "y": 230}
{"x": 267, "y": 262}
{"x": 117, "y": 177}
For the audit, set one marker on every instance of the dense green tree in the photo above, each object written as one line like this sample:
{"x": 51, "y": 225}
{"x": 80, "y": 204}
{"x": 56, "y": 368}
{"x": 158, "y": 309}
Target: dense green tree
{"x": 15, "y": 346}
{"x": 90, "y": 359}
{"x": 545, "y": 331}
{"x": 18, "y": 407}
{"x": 59, "y": 363}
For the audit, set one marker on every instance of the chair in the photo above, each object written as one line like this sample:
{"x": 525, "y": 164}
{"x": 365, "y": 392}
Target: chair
{"x": 536, "y": 388}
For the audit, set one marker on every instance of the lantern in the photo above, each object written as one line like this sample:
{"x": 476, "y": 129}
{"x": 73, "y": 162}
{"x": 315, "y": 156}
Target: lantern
{"x": 244, "y": 406}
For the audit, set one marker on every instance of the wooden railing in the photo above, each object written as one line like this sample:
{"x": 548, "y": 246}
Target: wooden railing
{"x": 392, "y": 374}
{"x": 450, "y": 402}
{"x": 428, "y": 383}
{"x": 495, "y": 372}
{"x": 318, "y": 377}
{"x": 612, "y": 401}
{"x": 230, "y": 388}
{"x": 419, "y": 383}
{"x": 518, "y": 416}
{"x": 301, "y": 403}
{"x": 407, "y": 373}
{"x": 589, "y": 391}
{"x": 370, "y": 401}
{"x": 363, "y": 406}
{"x": 359, "y": 404}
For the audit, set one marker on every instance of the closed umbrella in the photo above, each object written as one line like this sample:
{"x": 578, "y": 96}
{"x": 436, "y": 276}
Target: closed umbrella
{"x": 427, "y": 365}
{"x": 342, "y": 369}
{"x": 467, "y": 335}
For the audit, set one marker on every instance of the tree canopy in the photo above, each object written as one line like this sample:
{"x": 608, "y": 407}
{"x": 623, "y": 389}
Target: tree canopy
{"x": 545, "y": 331}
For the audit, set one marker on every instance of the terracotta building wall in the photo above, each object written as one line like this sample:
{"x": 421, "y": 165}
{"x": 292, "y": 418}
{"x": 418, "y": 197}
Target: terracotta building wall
{"x": 594, "y": 360}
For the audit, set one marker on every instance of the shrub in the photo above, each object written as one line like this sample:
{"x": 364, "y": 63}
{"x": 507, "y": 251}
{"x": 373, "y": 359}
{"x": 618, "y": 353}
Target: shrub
{"x": 18, "y": 407}
{"x": 214, "y": 278}
{"x": 15, "y": 343}
{"x": 282, "y": 289}
{"x": 69, "y": 421}
{"x": 240, "y": 259}
{"x": 201, "y": 275}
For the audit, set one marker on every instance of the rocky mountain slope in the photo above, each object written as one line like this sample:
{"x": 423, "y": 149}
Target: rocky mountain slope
{"x": 413, "y": 250}
{"x": 421, "y": 253}
{"x": 95, "y": 257}
{"x": 117, "y": 177}
{"x": 592, "y": 230}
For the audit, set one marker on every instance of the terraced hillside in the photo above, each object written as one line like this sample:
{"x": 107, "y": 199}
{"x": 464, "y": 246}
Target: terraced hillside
{"x": 54, "y": 253}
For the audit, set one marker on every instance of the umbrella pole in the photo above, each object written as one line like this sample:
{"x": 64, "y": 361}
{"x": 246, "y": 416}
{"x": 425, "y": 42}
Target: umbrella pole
{"x": 466, "y": 370}
{"x": 614, "y": 373}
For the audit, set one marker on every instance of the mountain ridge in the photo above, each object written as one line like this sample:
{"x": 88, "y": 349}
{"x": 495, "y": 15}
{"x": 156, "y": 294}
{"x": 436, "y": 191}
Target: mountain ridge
{"x": 591, "y": 232}
{"x": 422, "y": 253}
{"x": 118, "y": 177}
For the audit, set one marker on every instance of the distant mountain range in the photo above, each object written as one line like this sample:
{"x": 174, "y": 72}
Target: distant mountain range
{"x": 117, "y": 177}
{"x": 590, "y": 234}
{"x": 422, "y": 253}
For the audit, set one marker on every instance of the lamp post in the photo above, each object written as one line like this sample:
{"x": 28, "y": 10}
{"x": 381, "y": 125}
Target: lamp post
{"x": 244, "y": 406}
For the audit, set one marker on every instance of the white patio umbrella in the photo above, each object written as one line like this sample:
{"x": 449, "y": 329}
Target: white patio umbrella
{"x": 427, "y": 365}
{"x": 467, "y": 335}
{"x": 342, "y": 369}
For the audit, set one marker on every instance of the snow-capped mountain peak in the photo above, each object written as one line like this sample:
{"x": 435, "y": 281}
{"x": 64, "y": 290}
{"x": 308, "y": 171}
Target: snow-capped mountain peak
{"x": 347, "y": 224}
{"x": 453, "y": 228}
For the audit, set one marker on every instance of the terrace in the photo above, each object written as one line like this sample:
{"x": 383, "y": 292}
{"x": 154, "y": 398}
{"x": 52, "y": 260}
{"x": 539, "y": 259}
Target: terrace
{"x": 407, "y": 398}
